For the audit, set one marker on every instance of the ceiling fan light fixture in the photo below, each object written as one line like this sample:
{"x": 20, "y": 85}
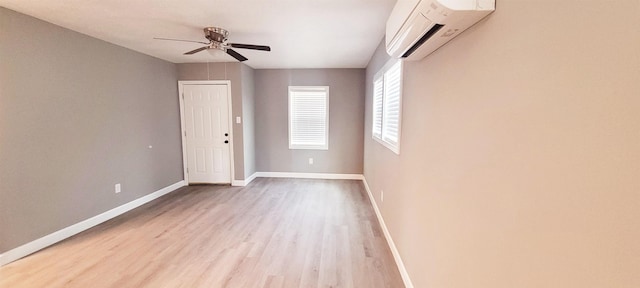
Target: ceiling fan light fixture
{"x": 215, "y": 52}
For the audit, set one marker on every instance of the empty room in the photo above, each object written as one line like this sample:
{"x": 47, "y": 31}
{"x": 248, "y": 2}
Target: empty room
{"x": 324, "y": 143}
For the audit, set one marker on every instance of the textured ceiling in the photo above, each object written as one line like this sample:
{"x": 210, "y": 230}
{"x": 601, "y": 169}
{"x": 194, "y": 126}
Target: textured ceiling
{"x": 301, "y": 33}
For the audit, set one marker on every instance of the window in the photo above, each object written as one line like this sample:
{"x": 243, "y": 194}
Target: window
{"x": 387, "y": 106}
{"x": 309, "y": 117}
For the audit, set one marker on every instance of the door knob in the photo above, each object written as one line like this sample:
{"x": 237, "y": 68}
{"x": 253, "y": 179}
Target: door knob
{"x": 226, "y": 141}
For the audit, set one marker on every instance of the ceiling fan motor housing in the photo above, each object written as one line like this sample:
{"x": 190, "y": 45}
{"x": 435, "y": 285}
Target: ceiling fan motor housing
{"x": 216, "y": 34}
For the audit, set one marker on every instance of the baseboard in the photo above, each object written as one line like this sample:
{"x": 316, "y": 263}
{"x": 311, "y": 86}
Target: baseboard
{"x": 244, "y": 182}
{"x": 310, "y": 175}
{"x": 38, "y": 244}
{"x": 396, "y": 255}
{"x": 250, "y": 178}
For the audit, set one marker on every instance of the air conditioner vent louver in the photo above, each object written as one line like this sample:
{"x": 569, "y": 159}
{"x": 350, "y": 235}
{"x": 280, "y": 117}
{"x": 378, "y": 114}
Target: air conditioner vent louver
{"x": 423, "y": 39}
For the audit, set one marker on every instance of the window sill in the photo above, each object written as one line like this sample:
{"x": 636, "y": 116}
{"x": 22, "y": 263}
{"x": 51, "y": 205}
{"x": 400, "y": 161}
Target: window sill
{"x": 393, "y": 148}
{"x": 308, "y": 147}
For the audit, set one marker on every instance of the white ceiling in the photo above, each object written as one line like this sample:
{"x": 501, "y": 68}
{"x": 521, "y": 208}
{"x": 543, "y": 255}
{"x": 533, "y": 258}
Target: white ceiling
{"x": 301, "y": 33}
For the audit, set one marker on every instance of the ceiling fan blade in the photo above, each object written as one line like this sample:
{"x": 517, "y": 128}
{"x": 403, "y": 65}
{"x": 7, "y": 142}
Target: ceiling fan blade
{"x": 249, "y": 46}
{"x": 197, "y": 50}
{"x": 236, "y": 55}
{"x": 170, "y": 39}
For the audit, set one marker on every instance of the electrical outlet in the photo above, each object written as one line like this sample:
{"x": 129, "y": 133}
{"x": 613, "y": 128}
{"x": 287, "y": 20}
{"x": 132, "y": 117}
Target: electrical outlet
{"x": 310, "y": 161}
{"x": 118, "y": 188}
{"x": 381, "y": 196}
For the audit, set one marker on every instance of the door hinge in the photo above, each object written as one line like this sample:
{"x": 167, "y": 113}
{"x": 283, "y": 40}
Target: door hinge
{"x": 182, "y": 96}
{"x": 187, "y": 170}
{"x": 185, "y": 133}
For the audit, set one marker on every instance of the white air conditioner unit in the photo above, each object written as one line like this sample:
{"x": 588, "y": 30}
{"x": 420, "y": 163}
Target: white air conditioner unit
{"x": 418, "y": 27}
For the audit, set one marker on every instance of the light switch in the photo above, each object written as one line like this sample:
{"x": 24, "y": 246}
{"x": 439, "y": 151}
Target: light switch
{"x": 238, "y": 120}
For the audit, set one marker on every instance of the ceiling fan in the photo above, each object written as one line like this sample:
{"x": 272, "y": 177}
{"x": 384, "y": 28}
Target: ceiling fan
{"x": 218, "y": 40}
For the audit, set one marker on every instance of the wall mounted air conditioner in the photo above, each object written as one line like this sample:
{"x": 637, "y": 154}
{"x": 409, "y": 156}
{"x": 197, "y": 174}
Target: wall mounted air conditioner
{"x": 416, "y": 28}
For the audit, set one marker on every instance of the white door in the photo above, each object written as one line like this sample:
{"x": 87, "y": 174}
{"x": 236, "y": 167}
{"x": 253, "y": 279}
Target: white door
{"x": 206, "y": 117}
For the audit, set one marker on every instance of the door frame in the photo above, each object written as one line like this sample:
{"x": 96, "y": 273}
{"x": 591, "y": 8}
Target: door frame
{"x": 181, "y": 85}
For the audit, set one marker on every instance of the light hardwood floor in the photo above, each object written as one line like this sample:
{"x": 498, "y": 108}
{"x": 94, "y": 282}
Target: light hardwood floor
{"x": 272, "y": 233}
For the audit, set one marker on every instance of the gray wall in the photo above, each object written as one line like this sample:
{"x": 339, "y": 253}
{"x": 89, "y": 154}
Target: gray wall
{"x": 241, "y": 89}
{"x": 248, "y": 121}
{"x": 346, "y": 114}
{"x": 77, "y": 115}
{"x": 520, "y": 151}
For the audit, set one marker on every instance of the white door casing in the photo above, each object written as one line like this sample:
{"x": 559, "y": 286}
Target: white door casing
{"x": 205, "y": 114}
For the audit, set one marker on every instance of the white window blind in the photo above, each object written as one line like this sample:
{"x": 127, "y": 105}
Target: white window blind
{"x": 391, "y": 112}
{"x": 377, "y": 108}
{"x": 309, "y": 117}
{"x": 387, "y": 106}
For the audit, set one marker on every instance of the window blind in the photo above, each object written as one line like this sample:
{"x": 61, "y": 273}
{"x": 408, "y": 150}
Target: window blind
{"x": 308, "y": 117}
{"x": 391, "y": 111}
{"x": 377, "y": 107}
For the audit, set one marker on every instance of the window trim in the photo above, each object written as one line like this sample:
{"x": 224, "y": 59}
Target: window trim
{"x": 395, "y": 147}
{"x": 326, "y": 130}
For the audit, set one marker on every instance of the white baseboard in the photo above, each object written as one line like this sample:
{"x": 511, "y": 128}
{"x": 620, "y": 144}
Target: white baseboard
{"x": 33, "y": 246}
{"x": 396, "y": 255}
{"x": 251, "y": 178}
{"x": 244, "y": 182}
{"x": 310, "y": 175}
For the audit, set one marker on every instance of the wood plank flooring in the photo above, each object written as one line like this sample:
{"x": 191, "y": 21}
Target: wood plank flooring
{"x": 273, "y": 233}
